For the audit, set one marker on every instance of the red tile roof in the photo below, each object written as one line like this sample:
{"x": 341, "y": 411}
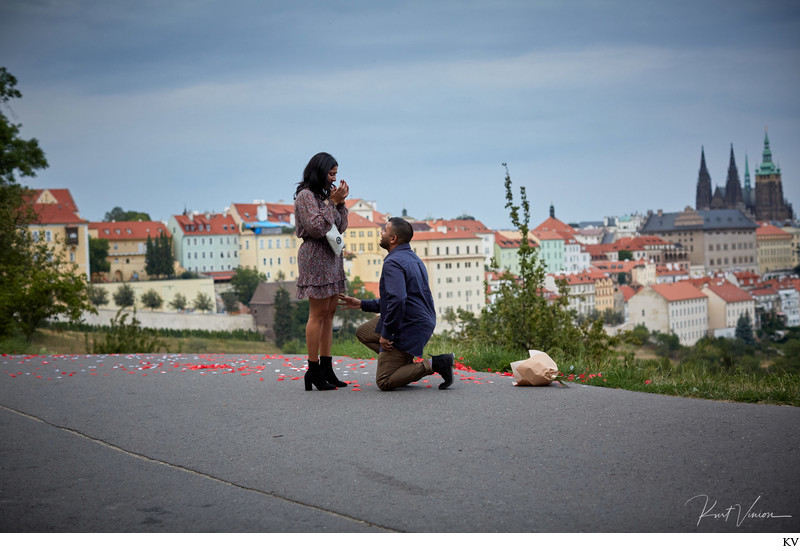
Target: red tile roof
{"x": 673, "y": 292}
{"x": 505, "y": 242}
{"x": 579, "y": 279}
{"x": 638, "y": 243}
{"x": 129, "y": 231}
{"x": 438, "y": 236}
{"x": 276, "y": 212}
{"x": 547, "y": 235}
{"x": 764, "y": 291}
{"x": 769, "y": 231}
{"x": 219, "y": 224}
{"x": 729, "y": 292}
{"x": 555, "y": 225}
{"x": 617, "y": 266}
{"x": 357, "y": 221}
{"x": 627, "y": 292}
{"x": 747, "y": 278}
{"x": 63, "y": 211}
{"x": 474, "y": 226}
{"x": 666, "y": 270}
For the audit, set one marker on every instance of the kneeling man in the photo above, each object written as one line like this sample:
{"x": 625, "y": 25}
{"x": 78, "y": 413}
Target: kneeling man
{"x": 407, "y": 316}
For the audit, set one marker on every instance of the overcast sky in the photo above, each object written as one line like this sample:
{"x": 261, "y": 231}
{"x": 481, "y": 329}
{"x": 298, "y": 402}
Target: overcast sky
{"x": 599, "y": 107}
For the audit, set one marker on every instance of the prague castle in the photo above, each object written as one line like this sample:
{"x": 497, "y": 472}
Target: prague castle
{"x": 765, "y": 202}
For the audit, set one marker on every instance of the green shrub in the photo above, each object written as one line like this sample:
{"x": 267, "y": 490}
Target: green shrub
{"x": 124, "y": 337}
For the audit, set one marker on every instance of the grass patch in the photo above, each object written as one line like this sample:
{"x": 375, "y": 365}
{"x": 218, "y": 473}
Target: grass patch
{"x": 624, "y": 370}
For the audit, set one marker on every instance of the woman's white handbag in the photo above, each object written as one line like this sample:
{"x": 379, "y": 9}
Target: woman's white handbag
{"x": 335, "y": 240}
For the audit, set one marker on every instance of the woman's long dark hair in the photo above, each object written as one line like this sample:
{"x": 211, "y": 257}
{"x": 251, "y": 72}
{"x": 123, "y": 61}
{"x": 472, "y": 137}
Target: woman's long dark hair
{"x": 315, "y": 176}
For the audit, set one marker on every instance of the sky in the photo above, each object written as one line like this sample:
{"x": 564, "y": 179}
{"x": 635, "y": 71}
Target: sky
{"x": 600, "y": 108}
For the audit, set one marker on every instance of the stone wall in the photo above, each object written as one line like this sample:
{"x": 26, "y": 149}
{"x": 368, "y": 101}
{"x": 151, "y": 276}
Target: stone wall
{"x": 171, "y": 320}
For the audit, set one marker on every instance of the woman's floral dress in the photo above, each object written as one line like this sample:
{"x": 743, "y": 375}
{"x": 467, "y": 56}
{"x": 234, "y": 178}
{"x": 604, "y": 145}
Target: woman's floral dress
{"x": 321, "y": 271}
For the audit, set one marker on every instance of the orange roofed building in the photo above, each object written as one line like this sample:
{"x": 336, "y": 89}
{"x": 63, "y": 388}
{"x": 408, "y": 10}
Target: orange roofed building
{"x": 472, "y": 226}
{"x": 454, "y": 261}
{"x": 726, "y": 304}
{"x": 127, "y": 246}
{"x": 671, "y": 308}
{"x": 59, "y": 223}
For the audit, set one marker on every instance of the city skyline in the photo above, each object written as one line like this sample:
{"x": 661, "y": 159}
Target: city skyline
{"x": 598, "y": 110}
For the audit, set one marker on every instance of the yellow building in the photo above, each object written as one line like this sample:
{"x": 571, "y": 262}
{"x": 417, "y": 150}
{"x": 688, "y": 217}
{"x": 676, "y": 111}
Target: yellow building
{"x": 267, "y": 239}
{"x": 127, "y": 247}
{"x": 603, "y": 291}
{"x": 59, "y": 223}
{"x": 774, "y": 249}
{"x": 363, "y": 253}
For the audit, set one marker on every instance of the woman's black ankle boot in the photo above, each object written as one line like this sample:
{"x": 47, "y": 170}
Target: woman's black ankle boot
{"x": 326, "y": 364}
{"x": 314, "y": 377}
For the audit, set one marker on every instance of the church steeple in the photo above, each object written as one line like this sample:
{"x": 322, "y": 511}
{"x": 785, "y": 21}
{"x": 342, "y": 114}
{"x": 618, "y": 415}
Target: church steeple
{"x": 552, "y": 211}
{"x": 703, "y": 184}
{"x": 749, "y": 196}
{"x": 767, "y": 166}
{"x": 733, "y": 187}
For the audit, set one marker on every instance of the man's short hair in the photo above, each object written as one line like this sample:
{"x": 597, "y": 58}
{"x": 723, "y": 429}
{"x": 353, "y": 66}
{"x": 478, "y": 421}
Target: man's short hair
{"x": 402, "y": 229}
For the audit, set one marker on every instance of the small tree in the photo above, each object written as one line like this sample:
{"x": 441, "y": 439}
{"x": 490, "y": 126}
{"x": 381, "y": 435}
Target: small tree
{"x": 98, "y": 254}
{"x": 36, "y": 282}
{"x": 166, "y": 256}
{"x": 124, "y": 337}
{"x": 203, "y": 303}
{"x": 117, "y": 214}
{"x": 231, "y": 301}
{"x": 283, "y": 321}
{"x": 744, "y": 329}
{"x": 524, "y": 315}
{"x": 179, "y": 302}
{"x": 151, "y": 299}
{"x": 245, "y": 281}
{"x": 98, "y": 295}
{"x": 159, "y": 261}
{"x": 666, "y": 343}
{"x": 52, "y": 287}
{"x": 124, "y": 296}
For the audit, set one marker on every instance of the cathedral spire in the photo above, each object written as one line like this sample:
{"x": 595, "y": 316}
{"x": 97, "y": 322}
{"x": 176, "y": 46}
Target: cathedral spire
{"x": 733, "y": 187}
{"x": 767, "y": 166}
{"x": 703, "y": 184}
{"x": 748, "y": 192}
{"x": 746, "y": 174}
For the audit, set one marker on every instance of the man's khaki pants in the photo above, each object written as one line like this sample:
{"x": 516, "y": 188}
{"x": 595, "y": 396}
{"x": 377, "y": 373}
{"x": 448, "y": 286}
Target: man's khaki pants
{"x": 395, "y": 367}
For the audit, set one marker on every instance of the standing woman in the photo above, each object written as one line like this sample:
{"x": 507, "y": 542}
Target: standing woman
{"x": 318, "y": 205}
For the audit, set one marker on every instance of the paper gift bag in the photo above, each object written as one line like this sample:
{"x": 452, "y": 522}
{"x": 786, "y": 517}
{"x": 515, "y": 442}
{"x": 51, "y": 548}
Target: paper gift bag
{"x": 538, "y": 370}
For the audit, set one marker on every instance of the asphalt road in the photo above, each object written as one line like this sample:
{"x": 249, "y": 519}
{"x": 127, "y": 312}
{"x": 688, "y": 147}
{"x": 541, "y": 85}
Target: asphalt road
{"x": 210, "y": 443}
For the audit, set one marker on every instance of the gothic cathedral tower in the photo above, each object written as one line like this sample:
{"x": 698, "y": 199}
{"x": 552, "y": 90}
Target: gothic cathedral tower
{"x": 770, "y": 204}
{"x": 703, "y": 201}
{"x": 733, "y": 187}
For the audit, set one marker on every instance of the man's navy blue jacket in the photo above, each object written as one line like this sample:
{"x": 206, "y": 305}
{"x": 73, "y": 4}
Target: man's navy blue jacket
{"x": 406, "y": 306}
